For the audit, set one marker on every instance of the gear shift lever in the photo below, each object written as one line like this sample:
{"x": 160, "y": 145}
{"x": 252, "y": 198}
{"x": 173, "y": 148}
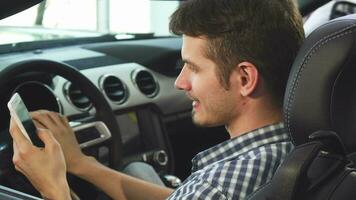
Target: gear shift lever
{"x": 171, "y": 181}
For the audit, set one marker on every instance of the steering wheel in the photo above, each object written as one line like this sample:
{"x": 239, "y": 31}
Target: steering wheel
{"x": 103, "y": 113}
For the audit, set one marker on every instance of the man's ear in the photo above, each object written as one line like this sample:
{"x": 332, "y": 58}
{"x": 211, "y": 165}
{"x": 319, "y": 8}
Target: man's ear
{"x": 248, "y": 77}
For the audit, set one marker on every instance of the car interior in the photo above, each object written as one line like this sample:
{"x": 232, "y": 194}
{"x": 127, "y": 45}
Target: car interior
{"x": 128, "y": 84}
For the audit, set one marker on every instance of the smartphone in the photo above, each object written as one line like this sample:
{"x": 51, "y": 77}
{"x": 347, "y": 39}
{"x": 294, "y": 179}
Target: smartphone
{"x": 21, "y": 116}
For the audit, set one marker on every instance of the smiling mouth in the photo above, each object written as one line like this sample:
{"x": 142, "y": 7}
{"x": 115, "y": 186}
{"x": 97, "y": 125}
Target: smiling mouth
{"x": 195, "y": 104}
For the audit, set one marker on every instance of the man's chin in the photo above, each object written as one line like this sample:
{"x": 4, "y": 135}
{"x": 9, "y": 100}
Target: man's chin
{"x": 198, "y": 121}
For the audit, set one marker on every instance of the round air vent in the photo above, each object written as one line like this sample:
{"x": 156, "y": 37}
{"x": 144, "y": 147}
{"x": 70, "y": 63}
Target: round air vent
{"x": 76, "y": 97}
{"x": 146, "y": 83}
{"x": 113, "y": 88}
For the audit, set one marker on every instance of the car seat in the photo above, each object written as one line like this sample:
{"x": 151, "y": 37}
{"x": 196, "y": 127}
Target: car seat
{"x": 320, "y": 115}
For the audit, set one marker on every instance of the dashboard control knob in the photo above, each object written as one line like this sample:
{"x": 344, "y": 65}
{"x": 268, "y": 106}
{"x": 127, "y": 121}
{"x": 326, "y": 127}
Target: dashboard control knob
{"x": 160, "y": 158}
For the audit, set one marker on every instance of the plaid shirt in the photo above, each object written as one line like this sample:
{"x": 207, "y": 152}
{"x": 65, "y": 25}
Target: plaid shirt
{"x": 237, "y": 167}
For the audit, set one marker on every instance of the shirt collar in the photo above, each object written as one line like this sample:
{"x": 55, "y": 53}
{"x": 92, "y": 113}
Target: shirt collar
{"x": 236, "y": 146}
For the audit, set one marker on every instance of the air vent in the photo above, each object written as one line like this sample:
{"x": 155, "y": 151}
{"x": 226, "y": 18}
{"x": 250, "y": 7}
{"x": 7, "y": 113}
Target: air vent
{"x": 76, "y": 97}
{"x": 146, "y": 83}
{"x": 113, "y": 88}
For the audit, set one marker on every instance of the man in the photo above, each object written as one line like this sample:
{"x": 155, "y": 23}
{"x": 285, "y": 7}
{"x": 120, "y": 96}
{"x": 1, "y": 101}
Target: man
{"x": 237, "y": 56}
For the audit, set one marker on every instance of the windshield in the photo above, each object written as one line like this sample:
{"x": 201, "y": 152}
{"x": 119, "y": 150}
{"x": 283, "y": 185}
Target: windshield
{"x": 64, "y": 19}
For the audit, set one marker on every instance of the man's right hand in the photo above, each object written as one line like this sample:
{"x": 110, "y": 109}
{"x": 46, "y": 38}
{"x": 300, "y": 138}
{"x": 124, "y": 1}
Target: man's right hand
{"x": 59, "y": 126}
{"x": 44, "y": 167}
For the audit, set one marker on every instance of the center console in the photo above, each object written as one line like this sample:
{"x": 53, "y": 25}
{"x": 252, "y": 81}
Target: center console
{"x": 144, "y": 139}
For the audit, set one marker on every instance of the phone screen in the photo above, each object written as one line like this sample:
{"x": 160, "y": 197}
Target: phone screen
{"x": 21, "y": 115}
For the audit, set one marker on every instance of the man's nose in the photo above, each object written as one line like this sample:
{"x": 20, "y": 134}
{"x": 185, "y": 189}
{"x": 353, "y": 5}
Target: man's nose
{"x": 182, "y": 82}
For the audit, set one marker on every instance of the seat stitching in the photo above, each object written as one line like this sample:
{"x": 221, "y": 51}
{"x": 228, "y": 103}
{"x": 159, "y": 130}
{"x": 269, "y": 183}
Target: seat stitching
{"x": 305, "y": 61}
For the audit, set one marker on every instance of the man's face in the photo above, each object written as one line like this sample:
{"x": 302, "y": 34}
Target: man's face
{"x": 213, "y": 105}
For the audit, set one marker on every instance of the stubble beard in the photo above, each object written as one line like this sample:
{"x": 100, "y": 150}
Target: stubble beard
{"x": 200, "y": 123}
{"x": 195, "y": 120}
{"x": 220, "y": 118}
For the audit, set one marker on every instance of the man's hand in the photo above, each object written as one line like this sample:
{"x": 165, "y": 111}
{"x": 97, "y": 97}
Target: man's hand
{"x": 64, "y": 134}
{"x": 113, "y": 183}
{"x": 44, "y": 167}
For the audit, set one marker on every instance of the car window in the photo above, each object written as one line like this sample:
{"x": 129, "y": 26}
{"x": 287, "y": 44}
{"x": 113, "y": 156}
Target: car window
{"x": 56, "y": 19}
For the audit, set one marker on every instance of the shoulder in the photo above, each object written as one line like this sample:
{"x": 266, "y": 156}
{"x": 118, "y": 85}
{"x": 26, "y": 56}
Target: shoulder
{"x": 234, "y": 177}
{"x": 239, "y": 176}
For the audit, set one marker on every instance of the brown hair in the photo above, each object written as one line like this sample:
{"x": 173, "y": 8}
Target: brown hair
{"x": 267, "y": 33}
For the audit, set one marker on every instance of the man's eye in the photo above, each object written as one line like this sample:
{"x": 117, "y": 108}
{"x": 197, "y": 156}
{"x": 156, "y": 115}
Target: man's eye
{"x": 193, "y": 68}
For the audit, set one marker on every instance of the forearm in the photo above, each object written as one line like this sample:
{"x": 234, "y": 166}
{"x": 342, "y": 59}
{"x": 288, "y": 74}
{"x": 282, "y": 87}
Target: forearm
{"x": 118, "y": 185}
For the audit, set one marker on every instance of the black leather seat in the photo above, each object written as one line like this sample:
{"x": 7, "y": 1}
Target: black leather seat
{"x": 320, "y": 114}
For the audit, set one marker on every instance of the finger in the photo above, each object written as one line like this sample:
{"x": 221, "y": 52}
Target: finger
{"x": 56, "y": 117}
{"x": 19, "y": 138}
{"x": 40, "y": 113}
{"x": 43, "y": 117}
{"x": 38, "y": 124}
{"x": 64, "y": 120}
{"x": 47, "y": 138}
{"x": 60, "y": 121}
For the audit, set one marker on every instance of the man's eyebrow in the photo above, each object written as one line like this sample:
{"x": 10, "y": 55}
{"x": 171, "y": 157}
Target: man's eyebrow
{"x": 189, "y": 62}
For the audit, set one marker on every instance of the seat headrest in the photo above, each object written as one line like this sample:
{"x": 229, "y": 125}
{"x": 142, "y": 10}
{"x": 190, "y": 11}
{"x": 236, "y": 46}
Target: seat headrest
{"x": 321, "y": 89}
